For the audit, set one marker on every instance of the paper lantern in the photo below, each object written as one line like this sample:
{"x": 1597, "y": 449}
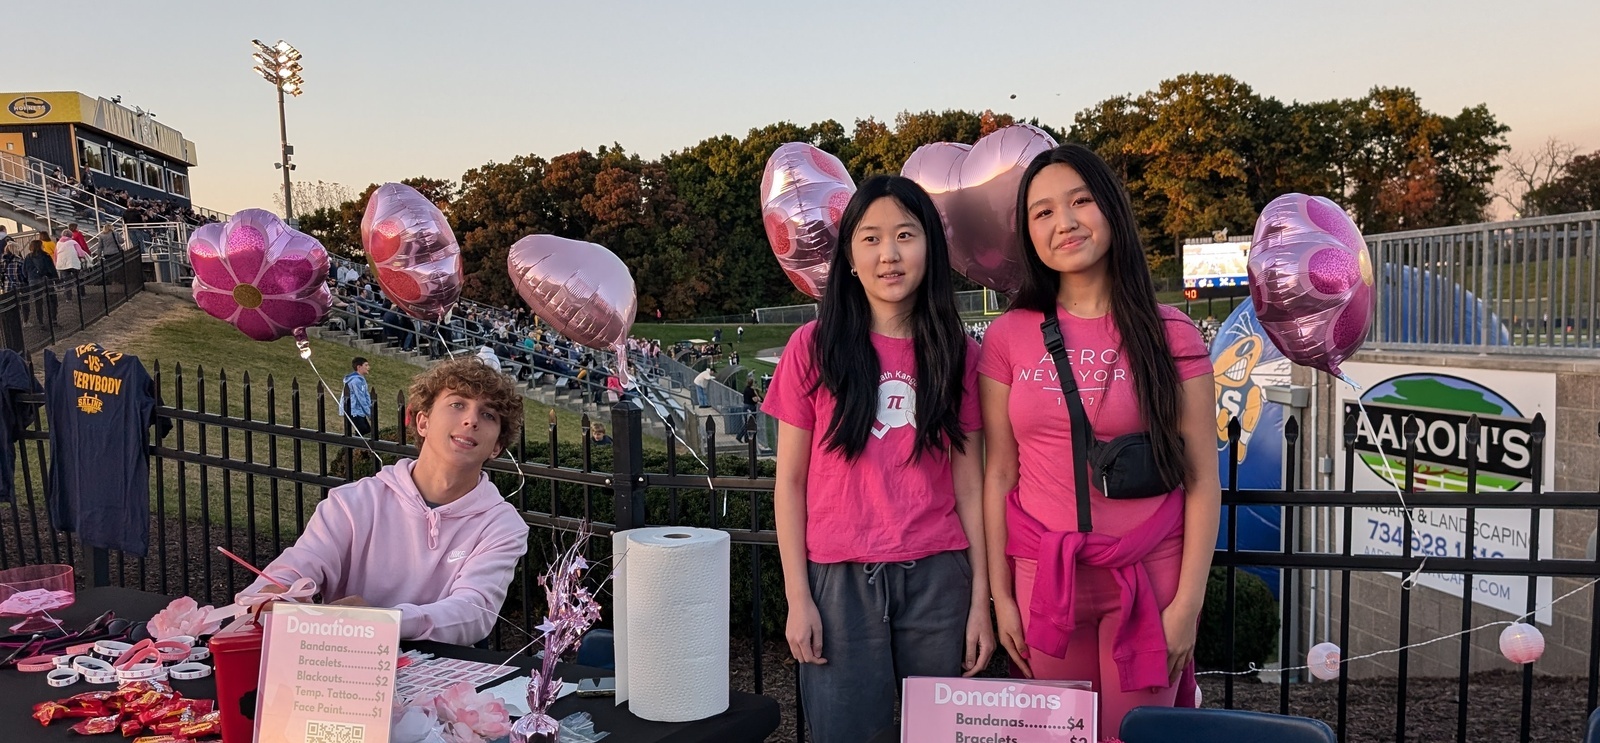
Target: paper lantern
{"x": 1522, "y": 643}
{"x": 1324, "y": 659}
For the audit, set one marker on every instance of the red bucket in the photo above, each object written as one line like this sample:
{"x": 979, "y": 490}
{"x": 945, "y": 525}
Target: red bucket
{"x": 236, "y": 653}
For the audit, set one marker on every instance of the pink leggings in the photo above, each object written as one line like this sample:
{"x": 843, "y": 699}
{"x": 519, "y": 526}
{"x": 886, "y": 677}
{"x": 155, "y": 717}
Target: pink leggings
{"x": 1099, "y": 613}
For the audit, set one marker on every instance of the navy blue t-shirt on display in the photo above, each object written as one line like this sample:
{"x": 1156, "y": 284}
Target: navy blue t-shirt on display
{"x": 101, "y": 405}
{"x": 15, "y": 378}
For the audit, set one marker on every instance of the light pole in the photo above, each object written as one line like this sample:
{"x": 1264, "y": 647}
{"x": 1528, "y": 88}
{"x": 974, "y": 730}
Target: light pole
{"x": 279, "y": 64}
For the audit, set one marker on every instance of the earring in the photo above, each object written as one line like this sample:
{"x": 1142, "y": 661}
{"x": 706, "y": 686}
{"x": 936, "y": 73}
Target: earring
{"x": 853, "y": 272}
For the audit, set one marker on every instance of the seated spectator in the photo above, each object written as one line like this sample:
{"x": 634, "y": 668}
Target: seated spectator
{"x": 486, "y": 355}
{"x": 597, "y": 435}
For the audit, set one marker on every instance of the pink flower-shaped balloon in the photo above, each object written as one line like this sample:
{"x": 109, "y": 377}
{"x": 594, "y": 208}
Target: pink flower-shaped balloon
{"x": 412, "y": 251}
{"x": 583, "y": 290}
{"x": 1311, "y": 281}
{"x": 803, "y": 194}
{"x": 975, "y": 188}
{"x": 260, "y": 276}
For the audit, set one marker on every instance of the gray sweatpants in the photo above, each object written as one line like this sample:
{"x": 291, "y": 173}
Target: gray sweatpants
{"x": 881, "y": 622}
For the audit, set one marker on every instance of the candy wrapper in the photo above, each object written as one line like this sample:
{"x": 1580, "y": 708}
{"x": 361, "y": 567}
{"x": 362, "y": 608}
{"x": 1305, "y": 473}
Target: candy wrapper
{"x": 69, "y": 709}
{"x": 171, "y": 709}
{"x": 204, "y": 725}
{"x": 98, "y": 725}
{"x": 48, "y": 712}
{"x": 131, "y": 709}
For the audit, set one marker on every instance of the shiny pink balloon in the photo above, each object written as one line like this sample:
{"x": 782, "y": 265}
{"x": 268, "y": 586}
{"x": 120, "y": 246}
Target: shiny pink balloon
{"x": 583, "y": 290}
{"x": 803, "y": 194}
{"x": 975, "y": 188}
{"x": 412, "y": 251}
{"x": 1311, "y": 281}
{"x": 260, "y": 276}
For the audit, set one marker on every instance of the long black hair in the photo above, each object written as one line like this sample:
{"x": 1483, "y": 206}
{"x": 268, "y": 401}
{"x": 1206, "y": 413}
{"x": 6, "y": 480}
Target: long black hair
{"x": 842, "y": 349}
{"x": 1133, "y": 299}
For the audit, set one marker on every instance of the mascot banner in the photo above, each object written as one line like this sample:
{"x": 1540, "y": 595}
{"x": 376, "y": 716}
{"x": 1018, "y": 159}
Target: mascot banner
{"x": 1244, "y": 363}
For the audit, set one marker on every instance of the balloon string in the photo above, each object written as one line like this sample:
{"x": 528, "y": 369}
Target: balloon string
{"x": 1253, "y": 668}
{"x": 440, "y": 336}
{"x": 522, "y": 476}
{"x": 306, "y": 354}
{"x": 1410, "y": 581}
{"x": 710, "y": 485}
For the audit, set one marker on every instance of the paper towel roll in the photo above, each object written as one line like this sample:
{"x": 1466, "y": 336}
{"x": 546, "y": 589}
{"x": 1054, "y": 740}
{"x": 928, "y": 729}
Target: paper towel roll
{"x": 671, "y": 592}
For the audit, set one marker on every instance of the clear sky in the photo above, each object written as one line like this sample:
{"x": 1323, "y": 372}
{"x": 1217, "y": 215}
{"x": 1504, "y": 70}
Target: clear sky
{"x": 402, "y": 88}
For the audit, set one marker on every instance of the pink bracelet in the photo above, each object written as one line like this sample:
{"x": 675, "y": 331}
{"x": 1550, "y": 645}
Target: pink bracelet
{"x": 37, "y": 663}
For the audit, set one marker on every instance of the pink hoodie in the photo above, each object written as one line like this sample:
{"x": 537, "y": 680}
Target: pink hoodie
{"x": 446, "y": 569}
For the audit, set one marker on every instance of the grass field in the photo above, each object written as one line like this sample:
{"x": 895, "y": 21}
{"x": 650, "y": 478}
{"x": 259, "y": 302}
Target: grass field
{"x": 199, "y": 342}
{"x": 756, "y": 339}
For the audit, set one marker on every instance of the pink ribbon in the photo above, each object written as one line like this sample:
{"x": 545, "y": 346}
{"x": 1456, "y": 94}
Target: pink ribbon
{"x": 253, "y": 602}
{"x": 36, "y": 601}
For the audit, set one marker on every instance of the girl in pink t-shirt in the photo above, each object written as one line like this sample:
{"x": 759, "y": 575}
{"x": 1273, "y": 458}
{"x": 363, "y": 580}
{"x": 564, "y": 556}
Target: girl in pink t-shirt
{"x": 1116, "y": 606}
{"x": 879, "y": 491}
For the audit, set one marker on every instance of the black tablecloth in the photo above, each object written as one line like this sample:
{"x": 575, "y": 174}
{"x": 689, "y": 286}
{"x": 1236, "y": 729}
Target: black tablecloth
{"x": 749, "y": 717}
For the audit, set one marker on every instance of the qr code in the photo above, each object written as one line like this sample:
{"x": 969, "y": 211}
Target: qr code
{"x": 334, "y": 732}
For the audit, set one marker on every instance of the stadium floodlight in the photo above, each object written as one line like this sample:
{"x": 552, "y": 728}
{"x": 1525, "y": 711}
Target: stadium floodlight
{"x": 279, "y": 64}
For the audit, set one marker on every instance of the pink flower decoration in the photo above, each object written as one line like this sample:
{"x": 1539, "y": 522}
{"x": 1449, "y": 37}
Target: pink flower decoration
{"x": 260, "y": 276}
{"x": 470, "y": 716}
{"x": 413, "y": 725}
{"x": 184, "y": 616}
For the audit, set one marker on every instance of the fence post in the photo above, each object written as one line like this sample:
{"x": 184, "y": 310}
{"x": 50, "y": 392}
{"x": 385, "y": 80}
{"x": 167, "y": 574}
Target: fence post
{"x": 627, "y": 479}
{"x": 11, "y": 322}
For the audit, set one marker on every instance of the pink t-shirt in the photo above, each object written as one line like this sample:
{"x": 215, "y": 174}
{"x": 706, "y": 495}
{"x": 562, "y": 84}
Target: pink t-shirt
{"x": 879, "y": 507}
{"x": 1014, "y": 355}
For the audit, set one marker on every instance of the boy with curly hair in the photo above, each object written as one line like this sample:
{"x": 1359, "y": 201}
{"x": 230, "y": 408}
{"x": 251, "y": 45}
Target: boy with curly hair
{"x": 431, "y": 537}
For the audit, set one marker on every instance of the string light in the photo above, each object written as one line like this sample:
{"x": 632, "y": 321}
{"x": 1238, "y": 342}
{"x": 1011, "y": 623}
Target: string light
{"x": 1253, "y": 668}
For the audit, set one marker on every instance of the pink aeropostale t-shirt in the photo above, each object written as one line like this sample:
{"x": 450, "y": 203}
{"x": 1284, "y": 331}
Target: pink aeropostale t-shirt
{"x": 1014, "y": 355}
{"x": 879, "y": 507}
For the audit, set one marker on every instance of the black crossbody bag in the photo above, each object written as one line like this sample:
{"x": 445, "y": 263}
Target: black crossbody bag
{"x": 1124, "y": 467}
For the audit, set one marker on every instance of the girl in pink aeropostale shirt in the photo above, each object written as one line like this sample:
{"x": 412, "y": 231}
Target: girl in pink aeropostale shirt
{"x": 879, "y": 492}
{"x": 1116, "y": 605}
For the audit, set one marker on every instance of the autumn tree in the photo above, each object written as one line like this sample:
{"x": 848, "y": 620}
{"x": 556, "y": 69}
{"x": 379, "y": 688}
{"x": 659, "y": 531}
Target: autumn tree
{"x": 1575, "y": 189}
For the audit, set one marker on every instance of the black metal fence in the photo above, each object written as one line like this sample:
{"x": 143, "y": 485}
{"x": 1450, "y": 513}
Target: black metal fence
{"x": 247, "y": 460}
{"x": 43, "y": 313}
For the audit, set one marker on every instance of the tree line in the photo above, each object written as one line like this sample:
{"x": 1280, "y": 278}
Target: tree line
{"x": 1200, "y": 153}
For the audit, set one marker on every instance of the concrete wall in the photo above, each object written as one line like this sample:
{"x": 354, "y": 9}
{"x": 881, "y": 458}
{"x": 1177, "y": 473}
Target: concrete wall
{"x": 1375, "y": 597}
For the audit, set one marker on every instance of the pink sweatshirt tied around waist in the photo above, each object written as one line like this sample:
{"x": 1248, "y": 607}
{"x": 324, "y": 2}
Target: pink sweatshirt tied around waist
{"x": 1140, "y": 647}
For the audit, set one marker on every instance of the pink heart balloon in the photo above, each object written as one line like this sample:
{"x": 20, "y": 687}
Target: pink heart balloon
{"x": 975, "y": 188}
{"x": 583, "y": 290}
{"x": 803, "y": 194}
{"x": 1311, "y": 281}
{"x": 412, "y": 251}
{"x": 260, "y": 276}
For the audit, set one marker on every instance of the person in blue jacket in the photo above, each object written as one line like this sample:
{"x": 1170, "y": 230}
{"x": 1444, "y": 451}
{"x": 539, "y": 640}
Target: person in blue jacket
{"x": 358, "y": 397}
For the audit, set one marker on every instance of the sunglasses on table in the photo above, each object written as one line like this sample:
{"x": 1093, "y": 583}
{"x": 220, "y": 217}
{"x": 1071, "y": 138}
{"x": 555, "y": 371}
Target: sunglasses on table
{"x": 107, "y": 626}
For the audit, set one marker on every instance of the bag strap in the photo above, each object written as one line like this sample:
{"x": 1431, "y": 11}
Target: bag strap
{"x": 1081, "y": 433}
